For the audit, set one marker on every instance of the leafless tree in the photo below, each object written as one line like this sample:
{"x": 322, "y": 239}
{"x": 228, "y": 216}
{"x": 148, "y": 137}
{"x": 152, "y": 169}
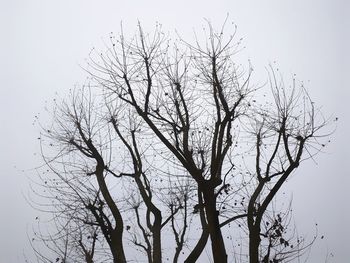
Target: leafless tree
{"x": 282, "y": 135}
{"x": 166, "y": 126}
{"x": 77, "y": 192}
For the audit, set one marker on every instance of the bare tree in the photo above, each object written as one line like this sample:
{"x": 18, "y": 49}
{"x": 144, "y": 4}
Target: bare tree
{"x": 164, "y": 113}
{"x": 282, "y": 134}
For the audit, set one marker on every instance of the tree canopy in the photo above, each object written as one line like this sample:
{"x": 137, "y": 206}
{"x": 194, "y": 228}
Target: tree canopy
{"x": 170, "y": 148}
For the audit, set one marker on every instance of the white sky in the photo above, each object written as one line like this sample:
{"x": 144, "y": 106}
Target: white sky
{"x": 43, "y": 42}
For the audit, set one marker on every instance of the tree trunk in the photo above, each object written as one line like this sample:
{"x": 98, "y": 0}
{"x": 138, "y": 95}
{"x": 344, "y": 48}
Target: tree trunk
{"x": 157, "y": 244}
{"x": 217, "y": 241}
{"x": 254, "y": 243}
{"x": 177, "y": 254}
{"x": 117, "y": 249}
{"x": 198, "y": 249}
{"x": 89, "y": 259}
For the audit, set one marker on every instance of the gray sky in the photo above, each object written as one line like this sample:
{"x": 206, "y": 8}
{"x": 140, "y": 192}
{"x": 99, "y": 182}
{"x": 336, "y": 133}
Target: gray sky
{"x": 43, "y": 43}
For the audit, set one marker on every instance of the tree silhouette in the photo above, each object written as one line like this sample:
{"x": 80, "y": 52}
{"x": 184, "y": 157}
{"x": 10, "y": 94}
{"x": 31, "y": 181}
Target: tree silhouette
{"x": 169, "y": 135}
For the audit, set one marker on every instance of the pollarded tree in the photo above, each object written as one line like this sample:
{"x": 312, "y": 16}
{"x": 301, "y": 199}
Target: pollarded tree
{"x": 80, "y": 192}
{"x": 171, "y": 125}
{"x": 282, "y": 136}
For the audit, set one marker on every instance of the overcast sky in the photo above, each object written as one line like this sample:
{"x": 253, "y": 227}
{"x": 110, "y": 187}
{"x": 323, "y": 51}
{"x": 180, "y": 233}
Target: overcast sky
{"x": 44, "y": 42}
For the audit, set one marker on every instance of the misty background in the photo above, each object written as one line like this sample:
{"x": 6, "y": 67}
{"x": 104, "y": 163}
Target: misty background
{"x": 43, "y": 44}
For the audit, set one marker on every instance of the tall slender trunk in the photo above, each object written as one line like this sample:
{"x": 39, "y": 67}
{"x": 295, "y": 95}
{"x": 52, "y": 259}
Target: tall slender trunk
{"x": 157, "y": 244}
{"x": 117, "y": 249}
{"x": 254, "y": 221}
{"x": 198, "y": 249}
{"x": 217, "y": 241}
{"x": 202, "y": 242}
{"x": 254, "y": 243}
{"x": 177, "y": 254}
